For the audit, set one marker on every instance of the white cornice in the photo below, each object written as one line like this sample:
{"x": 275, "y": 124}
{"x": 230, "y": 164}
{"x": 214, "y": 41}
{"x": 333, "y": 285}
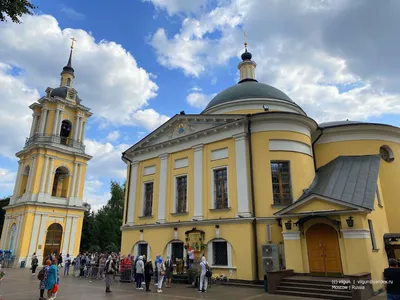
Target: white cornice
{"x": 40, "y": 204}
{"x": 291, "y": 235}
{"x": 57, "y": 149}
{"x": 356, "y": 233}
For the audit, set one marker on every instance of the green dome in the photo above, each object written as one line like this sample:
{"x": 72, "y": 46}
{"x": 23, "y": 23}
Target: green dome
{"x": 246, "y": 90}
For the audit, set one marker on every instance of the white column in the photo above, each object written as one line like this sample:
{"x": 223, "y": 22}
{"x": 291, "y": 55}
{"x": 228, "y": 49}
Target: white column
{"x": 82, "y": 136}
{"x": 76, "y": 129}
{"x": 242, "y": 175}
{"x": 132, "y": 193}
{"x": 66, "y": 236}
{"x": 17, "y": 240}
{"x": 72, "y": 189}
{"x": 49, "y": 175}
{"x": 162, "y": 193}
{"x": 43, "y": 121}
{"x": 44, "y": 174}
{"x": 17, "y": 179}
{"x": 59, "y": 122}
{"x": 81, "y": 122}
{"x": 42, "y": 236}
{"x": 72, "y": 236}
{"x": 198, "y": 182}
{"x": 34, "y": 236}
{"x": 31, "y": 174}
{"x": 34, "y": 124}
{"x": 55, "y": 122}
{"x": 78, "y": 181}
{"x": 4, "y": 236}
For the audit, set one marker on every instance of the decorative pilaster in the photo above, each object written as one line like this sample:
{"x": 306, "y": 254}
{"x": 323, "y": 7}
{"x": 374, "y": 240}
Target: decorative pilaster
{"x": 73, "y": 235}
{"x": 31, "y": 174}
{"x": 60, "y": 112}
{"x": 78, "y": 181}
{"x": 35, "y": 231}
{"x": 77, "y": 127}
{"x": 50, "y": 175}
{"x": 18, "y": 237}
{"x": 17, "y": 180}
{"x": 81, "y": 122}
{"x": 198, "y": 182}
{"x": 73, "y": 180}
{"x": 42, "y": 232}
{"x": 34, "y": 124}
{"x": 132, "y": 193}
{"x": 162, "y": 198}
{"x": 242, "y": 175}
{"x": 44, "y": 174}
{"x": 43, "y": 121}
{"x": 55, "y": 121}
{"x": 66, "y": 237}
{"x": 82, "y": 136}
{"x": 5, "y": 232}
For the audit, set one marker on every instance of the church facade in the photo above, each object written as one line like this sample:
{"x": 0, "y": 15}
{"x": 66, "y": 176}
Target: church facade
{"x": 45, "y": 212}
{"x": 256, "y": 185}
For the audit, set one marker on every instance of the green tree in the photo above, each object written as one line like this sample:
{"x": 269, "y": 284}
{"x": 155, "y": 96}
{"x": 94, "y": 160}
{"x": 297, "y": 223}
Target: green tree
{"x": 90, "y": 232}
{"x": 15, "y": 9}
{"x": 3, "y": 202}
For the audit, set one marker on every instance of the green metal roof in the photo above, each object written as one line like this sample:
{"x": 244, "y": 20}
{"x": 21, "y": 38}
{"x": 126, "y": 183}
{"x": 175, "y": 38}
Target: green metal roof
{"x": 248, "y": 90}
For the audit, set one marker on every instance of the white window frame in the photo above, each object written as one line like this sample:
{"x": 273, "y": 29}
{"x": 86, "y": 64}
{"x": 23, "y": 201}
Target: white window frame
{"x": 213, "y": 185}
{"x": 169, "y": 248}
{"x": 175, "y": 202}
{"x": 144, "y": 197}
{"x": 136, "y": 249}
{"x": 210, "y": 254}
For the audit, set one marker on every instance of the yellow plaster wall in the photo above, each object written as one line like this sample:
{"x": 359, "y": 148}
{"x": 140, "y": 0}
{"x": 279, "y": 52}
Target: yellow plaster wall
{"x": 389, "y": 172}
{"x": 244, "y": 111}
{"x": 318, "y": 205}
{"x": 301, "y": 168}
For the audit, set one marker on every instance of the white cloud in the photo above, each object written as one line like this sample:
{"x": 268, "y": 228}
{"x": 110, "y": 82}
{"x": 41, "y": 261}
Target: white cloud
{"x": 113, "y": 136}
{"x": 7, "y": 180}
{"x": 108, "y": 78}
{"x": 92, "y": 195}
{"x": 72, "y": 13}
{"x": 199, "y": 100}
{"x": 176, "y": 6}
{"x": 149, "y": 119}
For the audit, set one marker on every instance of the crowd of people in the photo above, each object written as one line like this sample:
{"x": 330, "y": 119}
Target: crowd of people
{"x": 105, "y": 266}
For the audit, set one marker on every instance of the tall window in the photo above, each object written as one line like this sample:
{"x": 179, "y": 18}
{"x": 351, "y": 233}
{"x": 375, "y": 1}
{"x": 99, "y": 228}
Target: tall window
{"x": 181, "y": 194}
{"x": 372, "y": 233}
{"x": 220, "y": 253}
{"x": 148, "y": 199}
{"x": 143, "y": 249}
{"x": 221, "y": 188}
{"x": 281, "y": 183}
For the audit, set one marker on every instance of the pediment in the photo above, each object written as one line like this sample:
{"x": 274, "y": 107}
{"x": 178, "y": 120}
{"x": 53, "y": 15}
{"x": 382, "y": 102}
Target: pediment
{"x": 181, "y": 126}
{"x": 315, "y": 204}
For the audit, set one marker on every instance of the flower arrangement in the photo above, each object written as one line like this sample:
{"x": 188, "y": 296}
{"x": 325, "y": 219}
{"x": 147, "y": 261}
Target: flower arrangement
{"x": 219, "y": 277}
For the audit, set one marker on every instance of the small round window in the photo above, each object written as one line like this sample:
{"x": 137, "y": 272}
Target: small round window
{"x": 386, "y": 153}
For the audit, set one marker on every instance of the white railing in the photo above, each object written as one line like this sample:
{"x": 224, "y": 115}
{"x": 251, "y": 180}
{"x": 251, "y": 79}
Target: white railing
{"x": 54, "y": 139}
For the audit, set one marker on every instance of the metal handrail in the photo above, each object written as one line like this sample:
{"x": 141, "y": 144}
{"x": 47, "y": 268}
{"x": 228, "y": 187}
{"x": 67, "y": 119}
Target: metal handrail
{"x": 54, "y": 139}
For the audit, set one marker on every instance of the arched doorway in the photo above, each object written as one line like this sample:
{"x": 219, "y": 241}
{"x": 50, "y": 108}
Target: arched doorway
{"x": 53, "y": 240}
{"x": 60, "y": 184}
{"x": 65, "y": 132}
{"x": 141, "y": 248}
{"x": 323, "y": 251}
{"x": 11, "y": 239}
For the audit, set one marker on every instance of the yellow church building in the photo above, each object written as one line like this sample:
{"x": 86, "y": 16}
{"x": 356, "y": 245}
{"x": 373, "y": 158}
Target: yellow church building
{"x": 258, "y": 187}
{"x": 45, "y": 212}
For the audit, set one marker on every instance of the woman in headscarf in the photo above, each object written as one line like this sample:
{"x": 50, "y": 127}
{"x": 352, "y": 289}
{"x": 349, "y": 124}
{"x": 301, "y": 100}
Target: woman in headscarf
{"x": 203, "y": 278}
{"x": 43, "y": 281}
{"x": 161, "y": 274}
{"x": 51, "y": 278}
{"x": 139, "y": 273}
{"x": 148, "y": 273}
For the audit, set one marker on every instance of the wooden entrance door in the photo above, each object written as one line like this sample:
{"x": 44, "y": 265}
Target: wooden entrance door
{"x": 323, "y": 251}
{"x": 53, "y": 240}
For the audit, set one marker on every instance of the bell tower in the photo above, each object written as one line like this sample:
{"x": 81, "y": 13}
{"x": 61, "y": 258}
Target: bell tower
{"x": 45, "y": 213}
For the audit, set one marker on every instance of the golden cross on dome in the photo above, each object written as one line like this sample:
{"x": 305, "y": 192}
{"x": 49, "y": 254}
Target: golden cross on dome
{"x": 73, "y": 41}
{"x": 245, "y": 39}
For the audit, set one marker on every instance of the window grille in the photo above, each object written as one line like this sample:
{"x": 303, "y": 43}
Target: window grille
{"x": 181, "y": 194}
{"x": 221, "y": 188}
{"x": 148, "y": 199}
{"x": 281, "y": 189}
{"x": 220, "y": 253}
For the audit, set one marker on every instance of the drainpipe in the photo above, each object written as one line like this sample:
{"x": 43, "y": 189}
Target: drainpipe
{"x": 127, "y": 185}
{"x": 312, "y": 146}
{"x": 252, "y": 195}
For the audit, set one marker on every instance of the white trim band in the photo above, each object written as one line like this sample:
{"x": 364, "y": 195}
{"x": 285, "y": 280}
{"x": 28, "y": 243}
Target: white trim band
{"x": 356, "y": 233}
{"x": 291, "y": 235}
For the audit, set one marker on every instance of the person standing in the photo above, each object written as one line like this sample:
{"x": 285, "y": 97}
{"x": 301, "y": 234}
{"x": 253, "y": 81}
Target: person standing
{"x": 42, "y": 276}
{"x": 191, "y": 257}
{"x": 203, "y": 278}
{"x": 110, "y": 270}
{"x": 161, "y": 274}
{"x": 139, "y": 273}
{"x": 34, "y": 264}
{"x": 51, "y": 279}
{"x": 67, "y": 263}
{"x": 156, "y": 269}
{"x": 169, "y": 268}
{"x": 392, "y": 278}
{"x": 102, "y": 265}
{"x": 60, "y": 260}
{"x": 148, "y": 273}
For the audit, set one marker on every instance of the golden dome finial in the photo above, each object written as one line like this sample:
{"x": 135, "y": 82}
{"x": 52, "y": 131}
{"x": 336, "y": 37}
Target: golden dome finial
{"x": 73, "y": 41}
{"x": 245, "y": 39}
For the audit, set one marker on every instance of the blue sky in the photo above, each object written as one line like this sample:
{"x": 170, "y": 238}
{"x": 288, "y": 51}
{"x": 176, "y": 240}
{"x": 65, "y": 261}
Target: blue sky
{"x": 137, "y": 63}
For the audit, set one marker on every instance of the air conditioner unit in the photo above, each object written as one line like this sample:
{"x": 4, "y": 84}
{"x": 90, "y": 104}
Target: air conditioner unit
{"x": 270, "y": 257}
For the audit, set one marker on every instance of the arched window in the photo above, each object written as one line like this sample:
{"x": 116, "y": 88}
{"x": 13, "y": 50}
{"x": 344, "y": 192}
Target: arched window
{"x": 24, "y": 182}
{"x": 141, "y": 248}
{"x": 61, "y": 182}
{"x": 219, "y": 253}
{"x": 68, "y": 81}
{"x": 65, "y": 132}
{"x": 11, "y": 239}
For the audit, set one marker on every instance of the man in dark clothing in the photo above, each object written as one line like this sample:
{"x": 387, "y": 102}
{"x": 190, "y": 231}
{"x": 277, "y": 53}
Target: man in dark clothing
{"x": 392, "y": 278}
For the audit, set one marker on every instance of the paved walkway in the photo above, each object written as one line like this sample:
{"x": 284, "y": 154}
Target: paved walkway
{"x": 20, "y": 285}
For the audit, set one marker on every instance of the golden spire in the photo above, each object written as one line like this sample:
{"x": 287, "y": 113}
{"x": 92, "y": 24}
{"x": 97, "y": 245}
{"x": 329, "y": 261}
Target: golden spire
{"x": 245, "y": 39}
{"x": 73, "y": 41}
